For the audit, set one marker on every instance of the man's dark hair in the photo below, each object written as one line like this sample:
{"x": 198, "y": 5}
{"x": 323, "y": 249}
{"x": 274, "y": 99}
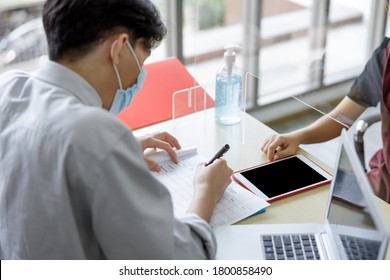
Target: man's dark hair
{"x": 75, "y": 27}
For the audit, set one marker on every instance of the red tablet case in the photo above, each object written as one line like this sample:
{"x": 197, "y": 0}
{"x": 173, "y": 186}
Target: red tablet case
{"x": 286, "y": 194}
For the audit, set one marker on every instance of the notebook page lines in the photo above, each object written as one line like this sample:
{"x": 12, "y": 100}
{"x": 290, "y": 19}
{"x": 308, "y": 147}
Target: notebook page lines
{"x": 178, "y": 178}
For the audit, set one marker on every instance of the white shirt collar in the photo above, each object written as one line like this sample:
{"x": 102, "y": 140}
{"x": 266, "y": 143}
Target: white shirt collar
{"x": 61, "y": 76}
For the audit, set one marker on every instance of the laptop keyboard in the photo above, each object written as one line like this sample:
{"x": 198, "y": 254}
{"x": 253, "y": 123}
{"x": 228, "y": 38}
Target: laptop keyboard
{"x": 290, "y": 247}
{"x": 359, "y": 248}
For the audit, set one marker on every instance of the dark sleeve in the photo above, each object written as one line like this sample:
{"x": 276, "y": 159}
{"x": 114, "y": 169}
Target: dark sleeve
{"x": 367, "y": 88}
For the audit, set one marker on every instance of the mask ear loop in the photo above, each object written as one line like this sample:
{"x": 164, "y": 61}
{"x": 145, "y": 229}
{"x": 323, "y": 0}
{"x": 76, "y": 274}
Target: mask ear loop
{"x": 115, "y": 68}
{"x": 133, "y": 53}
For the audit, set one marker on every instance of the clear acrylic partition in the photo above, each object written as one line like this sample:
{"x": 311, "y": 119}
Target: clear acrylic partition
{"x": 326, "y": 151}
{"x": 298, "y": 111}
{"x": 316, "y": 109}
{"x": 189, "y": 107}
{"x": 191, "y": 111}
{"x": 186, "y": 102}
{"x": 323, "y": 108}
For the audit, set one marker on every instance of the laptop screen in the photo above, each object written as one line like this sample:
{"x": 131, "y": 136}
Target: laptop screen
{"x": 350, "y": 215}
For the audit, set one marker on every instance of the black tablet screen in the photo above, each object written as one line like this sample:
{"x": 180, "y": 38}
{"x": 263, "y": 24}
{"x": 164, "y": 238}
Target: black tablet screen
{"x": 283, "y": 176}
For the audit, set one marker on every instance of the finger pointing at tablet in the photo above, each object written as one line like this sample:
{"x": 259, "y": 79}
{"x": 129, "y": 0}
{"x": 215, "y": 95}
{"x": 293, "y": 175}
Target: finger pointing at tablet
{"x": 279, "y": 146}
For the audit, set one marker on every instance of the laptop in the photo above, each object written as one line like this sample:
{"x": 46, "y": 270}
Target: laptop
{"x": 353, "y": 227}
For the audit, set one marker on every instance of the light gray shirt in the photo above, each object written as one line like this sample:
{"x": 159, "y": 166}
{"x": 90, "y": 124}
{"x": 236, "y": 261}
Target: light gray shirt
{"x": 73, "y": 181}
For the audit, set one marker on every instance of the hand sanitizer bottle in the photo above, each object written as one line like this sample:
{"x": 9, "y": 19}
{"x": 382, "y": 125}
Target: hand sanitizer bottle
{"x": 228, "y": 89}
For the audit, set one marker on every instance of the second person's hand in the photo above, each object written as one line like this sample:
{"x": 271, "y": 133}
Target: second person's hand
{"x": 279, "y": 146}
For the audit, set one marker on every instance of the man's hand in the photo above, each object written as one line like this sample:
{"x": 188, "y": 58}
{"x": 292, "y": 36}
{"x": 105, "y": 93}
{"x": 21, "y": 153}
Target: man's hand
{"x": 210, "y": 183}
{"x": 160, "y": 140}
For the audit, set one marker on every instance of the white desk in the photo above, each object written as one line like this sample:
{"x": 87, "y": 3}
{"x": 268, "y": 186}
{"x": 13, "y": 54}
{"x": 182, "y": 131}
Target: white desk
{"x": 200, "y": 130}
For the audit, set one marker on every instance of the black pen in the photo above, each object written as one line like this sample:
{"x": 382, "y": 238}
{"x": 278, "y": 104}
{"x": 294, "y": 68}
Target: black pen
{"x": 220, "y": 153}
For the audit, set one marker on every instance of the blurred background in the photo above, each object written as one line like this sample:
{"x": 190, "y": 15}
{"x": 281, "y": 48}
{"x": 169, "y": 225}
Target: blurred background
{"x": 307, "y": 49}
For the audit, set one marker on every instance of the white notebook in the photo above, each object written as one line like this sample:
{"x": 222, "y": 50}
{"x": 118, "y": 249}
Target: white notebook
{"x": 236, "y": 204}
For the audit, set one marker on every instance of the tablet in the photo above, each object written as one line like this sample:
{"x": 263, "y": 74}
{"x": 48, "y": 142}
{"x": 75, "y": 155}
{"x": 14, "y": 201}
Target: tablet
{"x": 281, "y": 178}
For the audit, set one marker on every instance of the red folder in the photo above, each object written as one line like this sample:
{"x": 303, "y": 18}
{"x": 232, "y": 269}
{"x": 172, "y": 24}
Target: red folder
{"x": 153, "y": 103}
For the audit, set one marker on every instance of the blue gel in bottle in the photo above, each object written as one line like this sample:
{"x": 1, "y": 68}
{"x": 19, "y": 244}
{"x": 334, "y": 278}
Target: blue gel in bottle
{"x": 228, "y": 90}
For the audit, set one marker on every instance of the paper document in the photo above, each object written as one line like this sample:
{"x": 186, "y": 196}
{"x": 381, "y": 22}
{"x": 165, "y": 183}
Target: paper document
{"x": 236, "y": 204}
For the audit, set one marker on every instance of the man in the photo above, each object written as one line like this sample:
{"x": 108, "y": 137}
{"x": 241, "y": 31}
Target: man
{"x": 73, "y": 182}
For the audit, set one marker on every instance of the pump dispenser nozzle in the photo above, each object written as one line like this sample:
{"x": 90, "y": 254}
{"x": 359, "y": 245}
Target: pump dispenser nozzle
{"x": 228, "y": 89}
{"x": 230, "y": 56}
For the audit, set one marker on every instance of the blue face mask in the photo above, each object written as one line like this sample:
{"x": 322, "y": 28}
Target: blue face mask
{"x": 123, "y": 97}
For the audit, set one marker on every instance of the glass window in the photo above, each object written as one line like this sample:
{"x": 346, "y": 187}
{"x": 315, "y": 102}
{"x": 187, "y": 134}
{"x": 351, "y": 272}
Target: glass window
{"x": 346, "y": 46}
{"x": 160, "y": 52}
{"x": 303, "y": 44}
{"x": 294, "y": 46}
{"x": 22, "y": 39}
{"x": 208, "y": 27}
